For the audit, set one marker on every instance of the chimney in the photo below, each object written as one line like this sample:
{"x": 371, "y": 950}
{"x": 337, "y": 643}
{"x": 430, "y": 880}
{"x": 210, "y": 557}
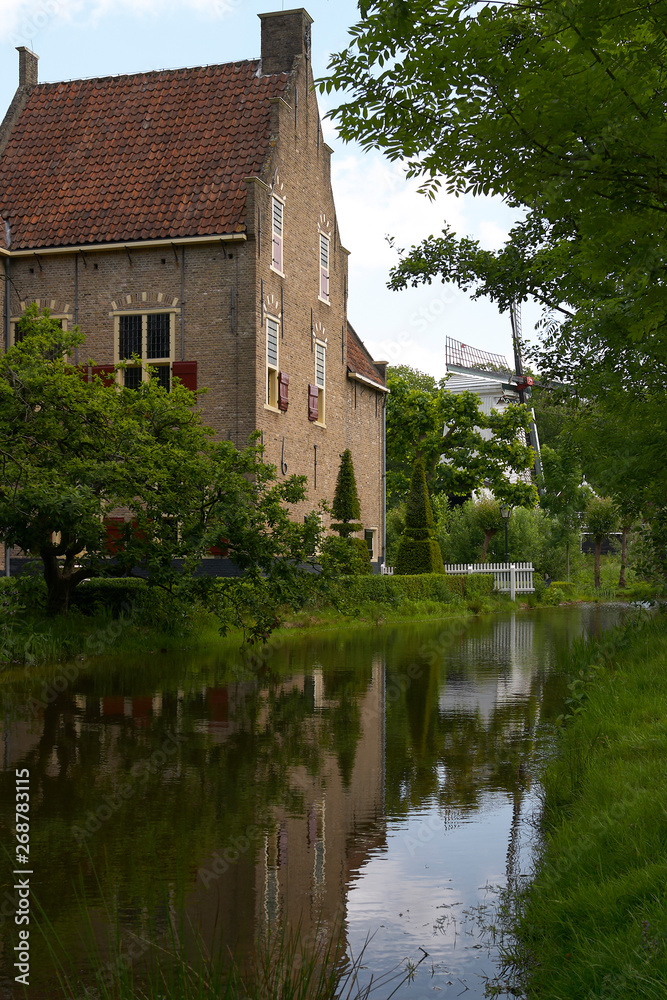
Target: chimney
{"x": 382, "y": 369}
{"x": 285, "y": 34}
{"x": 27, "y": 68}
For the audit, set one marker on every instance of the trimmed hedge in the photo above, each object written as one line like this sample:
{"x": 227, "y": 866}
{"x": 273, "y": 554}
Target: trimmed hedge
{"x": 117, "y": 594}
{"x": 394, "y": 590}
{"x": 420, "y": 555}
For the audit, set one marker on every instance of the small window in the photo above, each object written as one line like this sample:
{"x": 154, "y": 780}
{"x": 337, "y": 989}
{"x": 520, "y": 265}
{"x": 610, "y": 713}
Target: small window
{"x": 132, "y": 377}
{"x": 324, "y": 267}
{"x": 163, "y": 375}
{"x": 277, "y": 231}
{"x": 320, "y": 378}
{"x": 272, "y": 361}
{"x": 17, "y": 327}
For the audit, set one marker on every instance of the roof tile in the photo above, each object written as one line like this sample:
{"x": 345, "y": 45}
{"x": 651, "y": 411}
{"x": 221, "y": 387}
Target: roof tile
{"x": 153, "y": 155}
{"x": 359, "y": 360}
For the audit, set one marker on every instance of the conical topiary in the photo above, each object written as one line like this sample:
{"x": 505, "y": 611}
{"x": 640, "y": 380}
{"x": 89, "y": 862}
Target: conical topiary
{"x": 418, "y": 550}
{"x": 346, "y": 508}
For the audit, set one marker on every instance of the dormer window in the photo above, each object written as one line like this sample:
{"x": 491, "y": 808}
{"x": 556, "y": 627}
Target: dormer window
{"x": 324, "y": 267}
{"x": 277, "y": 212}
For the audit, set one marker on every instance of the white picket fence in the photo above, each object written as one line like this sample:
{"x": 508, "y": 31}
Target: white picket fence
{"x": 509, "y": 578}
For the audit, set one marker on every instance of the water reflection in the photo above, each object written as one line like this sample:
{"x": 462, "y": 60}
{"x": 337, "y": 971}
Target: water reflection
{"x": 376, "y": 780}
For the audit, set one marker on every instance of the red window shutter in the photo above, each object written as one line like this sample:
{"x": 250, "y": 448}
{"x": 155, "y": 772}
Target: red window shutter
{"x": 221, "y": 550}
{"x": 283, "y": 391}
{"x": 313, "y": 401}
{"x": 186, "y": 371}
{"x": 105, "y": 372}
{"x": 80, "y": 370}
{"x": 114, "y": 530}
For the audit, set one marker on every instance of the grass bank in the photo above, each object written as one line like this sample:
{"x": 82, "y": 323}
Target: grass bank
{"x": 593, "y": 922}
{"x": 126, "y": 616}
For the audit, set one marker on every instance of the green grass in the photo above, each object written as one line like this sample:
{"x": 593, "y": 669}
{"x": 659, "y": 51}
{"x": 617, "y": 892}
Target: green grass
{"x": 110, "y": 617}
{"x": 593, "y": 923}
{"x": 284, "y": 964}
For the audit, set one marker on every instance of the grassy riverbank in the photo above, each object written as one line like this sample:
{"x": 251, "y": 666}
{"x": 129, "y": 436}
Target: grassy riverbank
{"x": 593, "y": 923}
{"x": 124, "y": 616}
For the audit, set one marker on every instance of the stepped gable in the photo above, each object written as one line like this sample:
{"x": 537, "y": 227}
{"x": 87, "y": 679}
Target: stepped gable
{"x": 146, "y": 156}
{"x": 359, "y": 361}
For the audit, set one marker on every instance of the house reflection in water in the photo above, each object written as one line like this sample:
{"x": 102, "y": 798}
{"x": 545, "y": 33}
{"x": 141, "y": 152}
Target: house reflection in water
{"x": 296, "y": 865}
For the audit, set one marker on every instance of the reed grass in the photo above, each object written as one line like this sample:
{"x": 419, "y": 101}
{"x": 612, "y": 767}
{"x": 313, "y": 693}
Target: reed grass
{"x": 286, "y": 964}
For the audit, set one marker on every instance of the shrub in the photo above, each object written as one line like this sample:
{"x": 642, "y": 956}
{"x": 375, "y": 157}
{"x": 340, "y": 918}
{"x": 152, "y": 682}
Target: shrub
{"x": 394, "y": 591}
{"x": 346, "y": 508}
{"x": 418, "y": 551}
{"x": 347, "y": 556}
{"x": 479, "y": 584}
{"x": 113, "y": 595}
{"x": 395, "y": 528}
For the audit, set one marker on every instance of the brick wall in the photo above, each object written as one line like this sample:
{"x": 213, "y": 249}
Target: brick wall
{"x": 221, "y": 293}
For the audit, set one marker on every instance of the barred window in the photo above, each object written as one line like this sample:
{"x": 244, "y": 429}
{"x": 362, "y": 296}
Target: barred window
{"x": 158, "y": 335}
{"x": 148, "y": 337}
{"x": 129, "y": 337}
{"x": 272, "y": 361}
{"x": 319, "y": 365}
{"x": 324, "y": 267}
{"x": 18, "y": 327}
{"x": 163, "y": 374}
{"x": 132, "y": 377}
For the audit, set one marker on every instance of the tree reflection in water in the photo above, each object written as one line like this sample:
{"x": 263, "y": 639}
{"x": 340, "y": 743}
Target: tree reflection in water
{"x": 279, "y": 779}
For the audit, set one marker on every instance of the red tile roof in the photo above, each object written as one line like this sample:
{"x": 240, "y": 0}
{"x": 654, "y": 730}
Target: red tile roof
{"x": 359, "y": 361}
{"x": 148, "y": 156}
{"x": 3, "y": 241}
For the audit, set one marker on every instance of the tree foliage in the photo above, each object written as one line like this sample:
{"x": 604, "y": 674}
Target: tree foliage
{"x": 558, "y": 108}
{"x": 601, "y": 519}
{"x": 76, "y": 452}
{"x": 444, "y": 430}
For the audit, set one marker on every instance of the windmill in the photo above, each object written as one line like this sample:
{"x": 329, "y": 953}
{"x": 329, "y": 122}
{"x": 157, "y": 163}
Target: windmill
{"x": 491, "y": 377}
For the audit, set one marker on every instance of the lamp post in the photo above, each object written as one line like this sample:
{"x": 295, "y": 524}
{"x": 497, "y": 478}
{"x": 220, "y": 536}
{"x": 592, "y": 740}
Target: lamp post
{"x": 505, "y": 512}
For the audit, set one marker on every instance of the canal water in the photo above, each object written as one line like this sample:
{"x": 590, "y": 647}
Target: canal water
{"x": 379, "y": 782}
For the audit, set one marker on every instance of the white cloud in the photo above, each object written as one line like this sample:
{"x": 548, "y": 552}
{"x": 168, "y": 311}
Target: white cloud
{"x": 23, "y": 20}
{"x": 374, "y": 200}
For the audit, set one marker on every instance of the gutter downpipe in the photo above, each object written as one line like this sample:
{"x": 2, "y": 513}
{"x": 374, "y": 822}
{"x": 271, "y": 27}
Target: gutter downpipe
{"x": 8, "y": 241}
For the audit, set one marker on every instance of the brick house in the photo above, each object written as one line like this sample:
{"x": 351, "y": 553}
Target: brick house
{"x": 187, "y": 216}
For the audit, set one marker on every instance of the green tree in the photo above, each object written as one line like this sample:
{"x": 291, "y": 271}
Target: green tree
{"x": 557, "y": 109}
{"x": 346, "y": 554}
{"x": 601, "y": 519}
{"x": 418, "y": 550}
{"x": 563, "y": 496}
{"x": 488, "y": 517}
{"x": 346, "y": 507}
{"x": 444, "y": 430}
{"x": 75, "y": 451}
